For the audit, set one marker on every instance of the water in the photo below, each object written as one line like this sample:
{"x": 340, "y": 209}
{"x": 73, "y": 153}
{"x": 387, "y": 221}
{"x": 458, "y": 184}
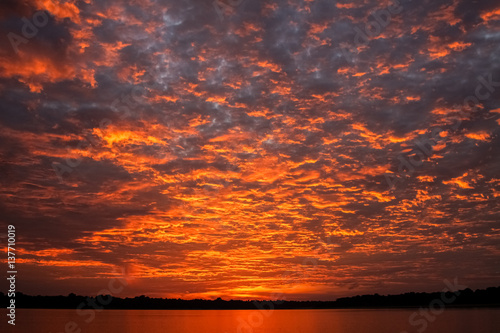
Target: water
{"x": 253, "y": 321}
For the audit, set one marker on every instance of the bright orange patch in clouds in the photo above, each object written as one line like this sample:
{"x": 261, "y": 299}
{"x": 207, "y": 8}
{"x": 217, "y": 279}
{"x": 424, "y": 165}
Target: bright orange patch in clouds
{"x": 481, "y": 136}
{"x": 493, "y": 15}
{"x": 59, "y": 9}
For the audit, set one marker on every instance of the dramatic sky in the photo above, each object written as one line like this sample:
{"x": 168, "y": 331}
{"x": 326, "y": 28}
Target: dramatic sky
{"x": 245, "y": 148}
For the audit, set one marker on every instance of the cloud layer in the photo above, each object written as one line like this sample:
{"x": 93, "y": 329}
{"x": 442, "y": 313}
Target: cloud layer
{"x": 311, "y": 148}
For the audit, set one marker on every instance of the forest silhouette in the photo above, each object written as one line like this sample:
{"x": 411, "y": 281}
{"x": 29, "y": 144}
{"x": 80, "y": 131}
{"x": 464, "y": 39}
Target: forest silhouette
{"x": 489, "y": 297}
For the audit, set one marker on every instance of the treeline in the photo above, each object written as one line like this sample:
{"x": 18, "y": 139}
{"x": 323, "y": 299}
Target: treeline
{"x": 463, "y": 298}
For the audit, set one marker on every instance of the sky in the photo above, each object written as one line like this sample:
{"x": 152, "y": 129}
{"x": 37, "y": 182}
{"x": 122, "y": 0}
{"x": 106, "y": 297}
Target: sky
{"x": 300, "y": 149}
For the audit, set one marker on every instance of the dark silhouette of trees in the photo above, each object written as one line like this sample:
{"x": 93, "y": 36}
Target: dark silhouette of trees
{"x": 464, "y": 298}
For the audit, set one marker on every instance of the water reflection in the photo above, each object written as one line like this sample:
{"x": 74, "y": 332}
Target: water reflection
{"x": 251, "y": 321}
